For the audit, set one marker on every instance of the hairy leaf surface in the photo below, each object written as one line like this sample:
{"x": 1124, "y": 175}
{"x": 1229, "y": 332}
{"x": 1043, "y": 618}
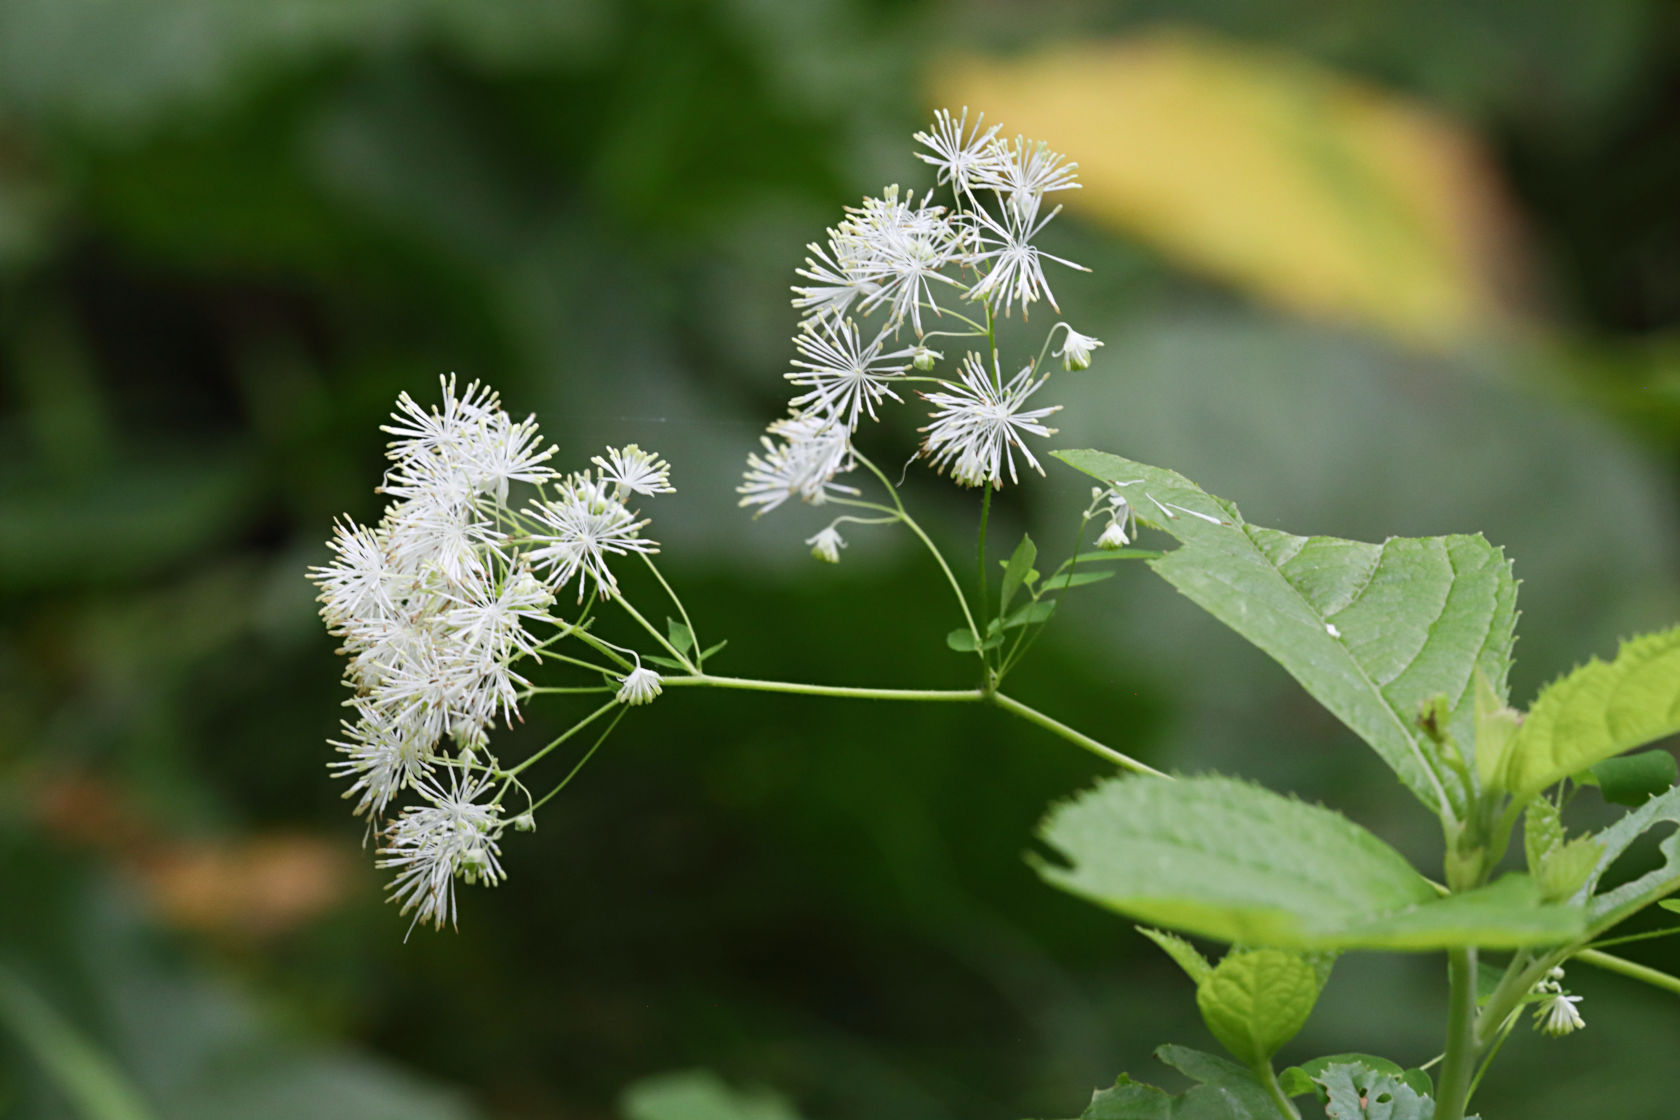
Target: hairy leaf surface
{"x": 1370, "y": 631}
{"x": 1598, "y": 711}
{"x": 1229, "y": 860}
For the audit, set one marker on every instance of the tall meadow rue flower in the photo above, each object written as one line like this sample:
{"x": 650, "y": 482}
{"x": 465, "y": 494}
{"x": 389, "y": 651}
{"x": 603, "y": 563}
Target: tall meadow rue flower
{"x": 579, "y": 528}
{"x": 1014, "y": 270}
{"x": 1076, "y": 349}
{"x": 430, "y": 845}
{"x": 634, "y": 471}
{"x": 383, "y": 757}
{"x": 826, "y": 545}
{"x": 840, "y": 274}
{"x": 905, "y": 248}
{"x": 807, "y": 451}
{"x": 978, "y": 425}
{"x": 957, "y": 152}
{"x": 845, "y": 376}
{"x": 420, "y": 431}
{"x": 360, "y": 581}
{"x": 639, "y": 686}
{"x": 1022, "y": 172}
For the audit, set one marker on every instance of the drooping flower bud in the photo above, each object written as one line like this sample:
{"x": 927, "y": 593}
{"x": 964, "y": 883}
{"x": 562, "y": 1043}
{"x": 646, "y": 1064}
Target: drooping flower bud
{"x": 1076, "y": 350}
{"x": 826, "y": 545}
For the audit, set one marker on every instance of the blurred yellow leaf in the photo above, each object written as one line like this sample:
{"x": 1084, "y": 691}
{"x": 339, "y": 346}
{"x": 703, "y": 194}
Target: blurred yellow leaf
{"x": 1306, "y": 188}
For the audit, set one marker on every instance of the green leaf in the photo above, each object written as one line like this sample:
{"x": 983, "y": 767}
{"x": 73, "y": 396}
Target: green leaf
{"x": 705, "y": 653}
{"x": 1612, "y": 906}
{"x": 1370, "y": 631}
{"x": 962, "y": 640}
{"x": 698, "y": 1095}
{"x": 1542, "y": 831}
{"x": 1229, "y": 860}
{"x": 1256, "y": 1000}
{"x": 1632, "y": 779}
{"x": 1103, "y": 555}
{"x": 1224, "y": 1091}
{"x": 1358, "y": 1092}
{"x": 1077, "y": 579}
{"x": 1600, "y": 710}
{"x": 1496, "y": 726}
{"x": 1565, "y": 868}
{"x": 1184, "y": 954}
{"x": 678, "y": 634}
{"x": 1028, "y": 613}
{"x": 665, "y": 662}
{"x": 1300, "y": 1080}
{"x": 1020, "y": 563}
{"x": 1670, "y": 904}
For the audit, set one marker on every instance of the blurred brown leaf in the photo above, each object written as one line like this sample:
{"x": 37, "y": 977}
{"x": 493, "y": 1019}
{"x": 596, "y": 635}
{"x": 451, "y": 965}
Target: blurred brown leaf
{"x": 1306, "y": 188}
{"x": 250, "y": 888}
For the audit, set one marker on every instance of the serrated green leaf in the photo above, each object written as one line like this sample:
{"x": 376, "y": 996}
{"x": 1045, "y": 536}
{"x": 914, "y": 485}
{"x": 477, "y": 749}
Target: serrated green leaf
{"x": 962, "y": 640}
{"x": 678, "y": 634}
{"x": 1633, "y": 778}
{"x": 712, "y": 649}
{"x": 1357, "y": 1092}
{"x": 1542, "y": 831}
{"x": 1370, "y": 631}
{"x": 1077, "y": 579}
{"x": 1225, "y": 1091}
{"x": 1020, "y": 563}
{"x": 1256, "y": 1000}
{"x": 1612, "y": 906}
{"x": 1184, "y": 954}
{"x": 1600, "y": 710}
{"x": 1232, "y": 861}
{"x": 1565, "y": 868}
{"x": 1029, "y": 613}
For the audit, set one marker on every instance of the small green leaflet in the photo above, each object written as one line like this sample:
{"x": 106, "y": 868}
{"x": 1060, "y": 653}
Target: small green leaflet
{"x": 1225, "y": 859}
{"x": 1184, "y": 954}
{"x": 679, "y": 634}
{"x": 1020, "y": 563}
{"x": 1300, "y": 1080}
{"x": 1370, "y": 631}
{"x": 1256, "y": 1000}
{"x": 1224, "y": 1091}
{"x": 1600, "y": 710}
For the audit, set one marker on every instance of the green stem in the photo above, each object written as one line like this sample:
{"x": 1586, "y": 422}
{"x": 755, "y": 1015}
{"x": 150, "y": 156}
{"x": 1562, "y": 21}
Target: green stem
{"x": 693, "y": 634}
{"x": 1267, "y": 1077}
{"x": 960, "y": 695}
{"x": 1625, "y": 967}
{"x": 657, "y": 636}
{"x": 564, "y": 782}
{"x": 1493, "y": 1052}
{"x": 749, "y": 684}
{"x": 939, "y": 557}
{"x": 1078, "y": 738}
{"x": 1457, "y": 1069}
{"x": 567, "y": 734}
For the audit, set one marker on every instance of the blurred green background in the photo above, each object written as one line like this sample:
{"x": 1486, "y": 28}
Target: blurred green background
{"x": 1371, "y": 269}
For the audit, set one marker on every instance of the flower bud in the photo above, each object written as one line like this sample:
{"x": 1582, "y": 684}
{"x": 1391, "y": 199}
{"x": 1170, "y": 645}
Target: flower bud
{"x": 826, "y": 546}
{"x": 1076, "y": 350}
{"x": 923, "y": 358}
{"x": 1114, "y": 537}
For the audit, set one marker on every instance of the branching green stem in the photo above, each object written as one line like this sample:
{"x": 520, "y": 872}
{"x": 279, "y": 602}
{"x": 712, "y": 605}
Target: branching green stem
{"x": 1267, "y": 1077}
{"x": 657, "y": 636}
{"x": 1633, "y": 969}
{"x": 1460, "y": 1062}
{"x": 589, "y": 754}
{"x": 564, "y": 735}
{"x": 693, "y": 634}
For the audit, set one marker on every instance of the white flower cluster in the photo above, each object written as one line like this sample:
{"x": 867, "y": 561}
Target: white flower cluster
{"x": 892, "y": 260}
{"x": 435, "y": 605}
{"x": 1555, "y": 1013}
